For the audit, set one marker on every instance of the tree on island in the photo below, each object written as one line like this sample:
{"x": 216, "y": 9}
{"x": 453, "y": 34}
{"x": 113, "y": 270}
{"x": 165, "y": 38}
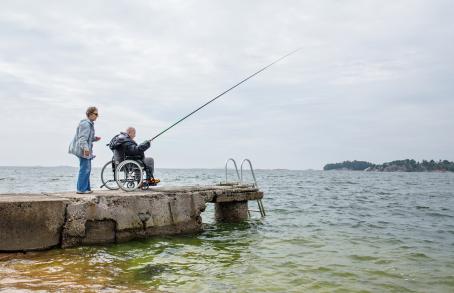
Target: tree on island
{"x": 399, "y": 165}
{"x": 349, "y": 165}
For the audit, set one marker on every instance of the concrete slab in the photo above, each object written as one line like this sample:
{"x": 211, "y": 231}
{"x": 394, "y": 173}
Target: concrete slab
{"x": 30, "y": 222}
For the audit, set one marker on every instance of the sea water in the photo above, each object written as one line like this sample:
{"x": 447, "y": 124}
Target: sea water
{"x": 335, "y": 231}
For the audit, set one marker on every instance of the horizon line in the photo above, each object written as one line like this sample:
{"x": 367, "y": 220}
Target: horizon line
{"x": 182, "y": 168}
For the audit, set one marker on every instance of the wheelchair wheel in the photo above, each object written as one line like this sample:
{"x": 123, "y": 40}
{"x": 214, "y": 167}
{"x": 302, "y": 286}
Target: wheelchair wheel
{"x": 108, "y": 176}
{"x": 129, "y": 175}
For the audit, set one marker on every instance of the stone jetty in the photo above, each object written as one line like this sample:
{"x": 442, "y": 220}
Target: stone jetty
{"x": 66, "y": 219}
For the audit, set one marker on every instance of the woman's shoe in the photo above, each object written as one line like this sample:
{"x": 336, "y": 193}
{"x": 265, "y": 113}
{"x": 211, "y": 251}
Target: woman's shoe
{"x": 84, "y": 192}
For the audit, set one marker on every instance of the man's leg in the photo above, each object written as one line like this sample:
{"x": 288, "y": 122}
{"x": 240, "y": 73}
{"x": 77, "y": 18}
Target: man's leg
{"x": 149, "y": 163}
{"x": 84, "y": 175}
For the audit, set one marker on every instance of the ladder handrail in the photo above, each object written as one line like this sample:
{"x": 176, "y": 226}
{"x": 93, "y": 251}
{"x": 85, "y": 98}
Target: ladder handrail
{"x": 252, "y": 171}
{"x": 259, "y": 201}
{"x": 236, "y": 169}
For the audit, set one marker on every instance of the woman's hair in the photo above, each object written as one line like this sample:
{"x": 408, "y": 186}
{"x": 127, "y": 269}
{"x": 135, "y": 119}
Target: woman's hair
{"x": 91, "y": 110}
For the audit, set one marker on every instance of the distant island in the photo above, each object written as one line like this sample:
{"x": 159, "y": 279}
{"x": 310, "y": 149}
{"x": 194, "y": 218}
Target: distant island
{"x": 394, "y": 166}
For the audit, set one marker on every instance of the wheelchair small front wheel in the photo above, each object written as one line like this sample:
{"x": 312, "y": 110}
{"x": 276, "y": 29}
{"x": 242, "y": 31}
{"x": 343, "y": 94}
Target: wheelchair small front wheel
{"x": 129, "y": 175}
{"x": 145, "y": 185}
{"x": 108, "y": 176}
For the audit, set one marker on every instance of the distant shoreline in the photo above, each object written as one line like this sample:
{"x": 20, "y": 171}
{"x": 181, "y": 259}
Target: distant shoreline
{"x": 407, "y": 165}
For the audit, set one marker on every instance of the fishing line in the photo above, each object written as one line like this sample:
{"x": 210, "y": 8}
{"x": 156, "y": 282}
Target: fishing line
{"x": 223, "y": 93}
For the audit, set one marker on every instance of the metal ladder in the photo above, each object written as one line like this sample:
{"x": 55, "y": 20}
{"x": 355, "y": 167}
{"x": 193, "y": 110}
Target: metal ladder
{"x": 236, "y": 169}
{"x": 240, "y": 180}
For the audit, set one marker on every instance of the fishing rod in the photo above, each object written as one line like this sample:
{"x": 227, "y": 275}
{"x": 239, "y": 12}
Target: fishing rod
{"x": 223, "y": 93}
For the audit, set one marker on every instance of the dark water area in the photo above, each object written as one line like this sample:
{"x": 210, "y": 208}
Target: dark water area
{"x": 334, "y": 231}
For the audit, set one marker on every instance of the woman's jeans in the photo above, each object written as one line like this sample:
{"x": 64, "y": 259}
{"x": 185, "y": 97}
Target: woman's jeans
{"x": 83, "y": 181}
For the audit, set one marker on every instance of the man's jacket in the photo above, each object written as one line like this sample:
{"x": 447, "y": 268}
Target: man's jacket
{"x": 125, "y": 146}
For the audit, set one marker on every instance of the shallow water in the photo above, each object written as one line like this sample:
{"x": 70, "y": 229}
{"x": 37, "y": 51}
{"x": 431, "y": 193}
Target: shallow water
{"x": 324, "y": 232}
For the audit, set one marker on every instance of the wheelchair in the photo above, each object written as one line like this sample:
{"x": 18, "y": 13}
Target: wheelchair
{"x": 128, "y": 175}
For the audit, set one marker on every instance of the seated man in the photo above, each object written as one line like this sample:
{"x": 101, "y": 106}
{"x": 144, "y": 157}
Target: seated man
{"x": 124, "y": 145}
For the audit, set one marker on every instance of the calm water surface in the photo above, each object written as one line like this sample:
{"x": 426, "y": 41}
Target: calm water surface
{"x": 324, "y": 232}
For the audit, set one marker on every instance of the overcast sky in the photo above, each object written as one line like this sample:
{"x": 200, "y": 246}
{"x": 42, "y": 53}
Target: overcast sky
{"x": 374, "y": 80}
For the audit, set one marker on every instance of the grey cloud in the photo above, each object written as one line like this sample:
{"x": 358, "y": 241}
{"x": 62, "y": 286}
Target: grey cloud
{"x": 372, "y": 81}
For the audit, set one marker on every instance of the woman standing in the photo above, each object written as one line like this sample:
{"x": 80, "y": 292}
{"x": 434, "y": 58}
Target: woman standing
{"x": 82, "y": 147}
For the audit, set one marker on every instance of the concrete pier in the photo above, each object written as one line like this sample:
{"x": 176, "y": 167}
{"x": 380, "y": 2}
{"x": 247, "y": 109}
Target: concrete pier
{"x": 43, "y": 221}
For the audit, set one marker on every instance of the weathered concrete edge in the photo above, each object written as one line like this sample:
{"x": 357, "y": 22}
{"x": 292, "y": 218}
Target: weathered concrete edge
{"x": 107, "y": 217}
{"x": 130, "y": 217}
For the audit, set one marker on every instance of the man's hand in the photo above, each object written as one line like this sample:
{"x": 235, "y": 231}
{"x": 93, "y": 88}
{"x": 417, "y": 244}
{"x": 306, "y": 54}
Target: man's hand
{"x": 97, "y": 138}
{"x": 86, "y": 153}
